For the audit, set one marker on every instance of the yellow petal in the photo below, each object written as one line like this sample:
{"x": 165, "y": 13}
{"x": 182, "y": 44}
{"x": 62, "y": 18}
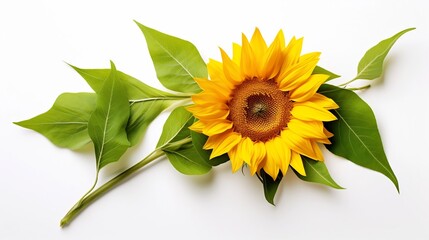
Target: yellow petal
{"x": 213, "y": 87}
{"x": 209, "y": 111}
{"x": 297, "y": 74}
{"x": 249, "y": 61}
{"x": 272, "y": 61}
{"x": 271, "y": 165}
{"x": 216, "y": 127}
{"x": 236, "y": 53}
{"x": 309, "y": 111}
{"x": 284, "y": 153}
{"x": 235, "y": 158}
{"x": 297, "y": 143}
{"x": 292, "y": 52}
{"x": 257, "y": 161}
{"x": 231, "y": 70}
{"x": 216, "y": 73}
{"x": 307, "y": 129}
{"x": 296, "y": 163}
{"x": 258, "y": 44}
{"x": 323, "y": 101}
{"x": 245, "y": 150}
{"x": 207, "y": 98}
{"x": 227, "y": 144}
{"x": 197, "y": 126}
{"x": 308, "y": 88}
{"x": 317, "y": 151}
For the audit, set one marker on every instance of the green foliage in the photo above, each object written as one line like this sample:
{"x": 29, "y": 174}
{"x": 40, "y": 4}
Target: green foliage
{"x": 177, "y": 62}
{"x": 146, "y": 102}
{"x": 371, "y": 64}
{"x": 270, "y": 186}
{"x": 107, "y": 124}
{"x": 356, "y": 135}
{"x": 175, "y": 141}
{"x": 199, "y": 139}
{"x": 317, "y": 172}
{"x": 66, "y": 123}
{"x": 320, "y": 70}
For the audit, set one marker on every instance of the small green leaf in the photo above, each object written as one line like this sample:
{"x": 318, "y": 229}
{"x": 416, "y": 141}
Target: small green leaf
{"x": 146, "y": 102}
{"x": 270, "y": 186}
{"x": 356, "y": 135}
{"x": 176, "y": 127}
{"x": 107, "y": 125}
{"x": 66, "y": 123}
{"x": 188, "y": 161}
{"x": 177, "y": 62}
{"x": 320, "y": 70}
{"x": 175, "y": 141}
{"x": 371, "y": 64}
{"x": 317, "y": 172}
{"x": 199, "y": 139}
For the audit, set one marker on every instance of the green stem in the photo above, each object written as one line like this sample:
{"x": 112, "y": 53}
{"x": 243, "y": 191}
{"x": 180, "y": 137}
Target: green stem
{"x": 359, "y": 88}
{"x": 347, "y": 83}
{"x": 89, "y": 198}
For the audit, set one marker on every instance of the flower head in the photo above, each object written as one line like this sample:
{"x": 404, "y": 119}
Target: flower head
{"x": 262, "y": 107}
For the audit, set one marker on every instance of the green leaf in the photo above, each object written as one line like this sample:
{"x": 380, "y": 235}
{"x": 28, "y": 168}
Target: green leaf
{"x": 270, "y": 186}
{"x": 107, "y": 125}
{"x": 146, "y": 102}
{"x": 188, "y": 161}
{"x": 65, "y": 124}
{"x": 176, "y": 127}
{"x": 317, "y": 172}
{"x": 356, "y": 135}
{"x": 135, "y": 88}
{"x": 175, "y": 141}
{"x": 371, "y": 64}
{"x": 199, "y": 139}
{"x": 177, "y": 62}
{"x": 320, "y": 70}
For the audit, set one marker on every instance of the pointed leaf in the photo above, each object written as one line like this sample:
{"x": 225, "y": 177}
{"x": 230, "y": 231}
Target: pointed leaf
{"x": 317, "y": 172}
{"x": 356, "y": 135}
{"x": 146, "y": 102}
{"x": 175, "y": 141}
{"x": 199, "y": 139}
{"x": 187, "y": 161}
{"x": 320, "y": 70}
{"x": 135, "y": 88}
{"x": 176, "y": 127}
{"x": 66, "y": 123}
{"x": 270, "y": 186}
{"x": 177, "y": 62}
{"x": 107, "y": 124}
{"x": 371, "y": 64}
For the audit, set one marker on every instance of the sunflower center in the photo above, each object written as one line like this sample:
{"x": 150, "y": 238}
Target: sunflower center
{"x": 259, "y": 110}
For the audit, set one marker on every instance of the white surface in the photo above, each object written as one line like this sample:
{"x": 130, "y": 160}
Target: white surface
{"x": 40, "y": 182}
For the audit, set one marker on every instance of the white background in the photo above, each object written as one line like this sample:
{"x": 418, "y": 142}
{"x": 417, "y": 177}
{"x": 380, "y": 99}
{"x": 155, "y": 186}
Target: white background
{"x": 40, "y": 182}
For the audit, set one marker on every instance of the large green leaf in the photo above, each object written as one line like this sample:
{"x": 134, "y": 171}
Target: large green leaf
{"x": 175, "y": 141}
{"x": 320, "y": 70}
{"x": 66, "y": 123}
{"x": 107, "y": 124}
{"x": 356, "y": 135}
{"x": 146, "y": 102}
{"x": 270, "y": 186}
{"x": 177, "y": 62}
{"x": 371, "y": 64}
{"x": 199, "y": 139}
{"x": 317, "y": 172}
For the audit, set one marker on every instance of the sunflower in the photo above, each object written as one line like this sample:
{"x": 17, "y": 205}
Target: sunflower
{"x": 261, "y": 106}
